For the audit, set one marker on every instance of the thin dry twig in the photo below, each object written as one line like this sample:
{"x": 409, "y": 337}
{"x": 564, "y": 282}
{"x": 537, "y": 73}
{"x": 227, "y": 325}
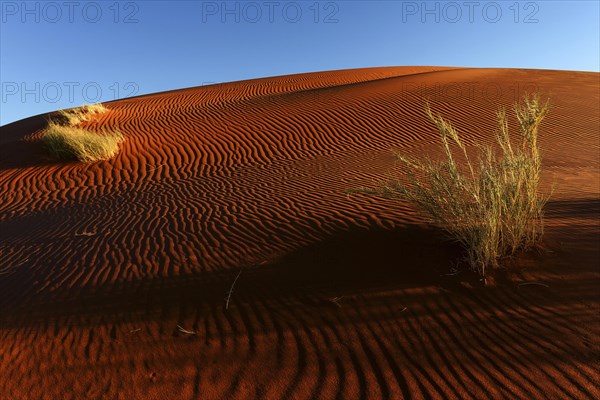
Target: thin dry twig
{"x": 185, "y": 331}
{"x": 336, "y": 300}
{"x": 533, "y": 283}
{"x": 231, "y": 289}
{"x": 155, "y": 168}
{"x": 453, "y": 272}
{"x": 85, "y": 233}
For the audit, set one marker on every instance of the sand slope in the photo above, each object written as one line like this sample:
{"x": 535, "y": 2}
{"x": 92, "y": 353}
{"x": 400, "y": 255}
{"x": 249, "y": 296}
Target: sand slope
{"x": 339, "y": 296}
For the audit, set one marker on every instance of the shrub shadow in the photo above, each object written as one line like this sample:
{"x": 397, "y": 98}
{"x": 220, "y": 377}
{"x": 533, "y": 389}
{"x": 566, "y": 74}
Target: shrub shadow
{"x": 350, "y": 261}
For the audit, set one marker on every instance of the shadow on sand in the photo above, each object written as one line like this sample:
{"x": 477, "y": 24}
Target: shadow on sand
{"x": 347, "y": 262}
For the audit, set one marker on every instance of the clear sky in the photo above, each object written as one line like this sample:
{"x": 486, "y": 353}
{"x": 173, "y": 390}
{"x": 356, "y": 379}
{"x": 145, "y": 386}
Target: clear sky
{"x": 59, "y": 54}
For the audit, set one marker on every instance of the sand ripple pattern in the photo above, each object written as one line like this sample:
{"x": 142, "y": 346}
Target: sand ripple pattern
{"x": 100, "y": 263}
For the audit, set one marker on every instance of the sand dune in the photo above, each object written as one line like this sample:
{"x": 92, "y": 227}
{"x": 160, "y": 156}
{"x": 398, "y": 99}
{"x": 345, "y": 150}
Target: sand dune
{"x": 339, "y": 296}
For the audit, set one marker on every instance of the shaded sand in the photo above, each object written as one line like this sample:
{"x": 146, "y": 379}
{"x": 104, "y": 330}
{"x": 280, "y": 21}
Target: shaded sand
{"x": 114, "y": 276}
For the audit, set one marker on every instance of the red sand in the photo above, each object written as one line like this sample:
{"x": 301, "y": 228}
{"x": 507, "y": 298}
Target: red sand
{"x": 340, "y": 296}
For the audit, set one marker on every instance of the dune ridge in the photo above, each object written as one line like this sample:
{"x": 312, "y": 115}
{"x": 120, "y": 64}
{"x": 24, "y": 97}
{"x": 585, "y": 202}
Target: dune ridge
{"x": 340, "y": 296}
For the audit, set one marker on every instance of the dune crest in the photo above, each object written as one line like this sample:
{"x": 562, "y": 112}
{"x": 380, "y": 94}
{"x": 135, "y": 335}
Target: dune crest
{"x": 340, "y": 296}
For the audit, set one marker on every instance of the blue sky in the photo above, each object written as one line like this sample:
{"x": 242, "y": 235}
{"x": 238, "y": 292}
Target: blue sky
{"x": 59, "y": 54}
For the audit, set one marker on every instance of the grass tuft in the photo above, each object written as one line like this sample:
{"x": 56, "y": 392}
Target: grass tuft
{"x": 491, "y": 206}
{"x": 68, "y": 142}
{"x": 75, "y": 116}
{"x": 72, "y": 143}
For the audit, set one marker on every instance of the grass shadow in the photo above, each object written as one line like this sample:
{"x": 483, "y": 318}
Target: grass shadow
{"x": 350, "y": 261}
{"x": 18, "y": 152}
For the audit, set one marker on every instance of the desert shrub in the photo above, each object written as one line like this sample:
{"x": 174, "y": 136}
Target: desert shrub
{"x": 492, "y": 206}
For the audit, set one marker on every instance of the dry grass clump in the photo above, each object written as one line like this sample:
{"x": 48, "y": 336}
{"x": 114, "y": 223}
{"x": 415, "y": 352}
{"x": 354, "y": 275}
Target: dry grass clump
{"x": 75, "y": 116}
{"x": 72, "y": 143}
{"x": 491, "y": 206}
{"x": 69, "y": 142}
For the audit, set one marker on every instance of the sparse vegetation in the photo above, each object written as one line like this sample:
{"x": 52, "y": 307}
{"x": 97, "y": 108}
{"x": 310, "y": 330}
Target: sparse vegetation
{"x": 68, "y": 142}
{"x": 75, "y": 116}
{"x": 64, "y": 140}
{"x": 491, "y": 207}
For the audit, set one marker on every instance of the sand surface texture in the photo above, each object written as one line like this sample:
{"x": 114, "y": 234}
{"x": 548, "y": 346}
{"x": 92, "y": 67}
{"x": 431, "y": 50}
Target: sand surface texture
{"x": 114, "y": 275}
